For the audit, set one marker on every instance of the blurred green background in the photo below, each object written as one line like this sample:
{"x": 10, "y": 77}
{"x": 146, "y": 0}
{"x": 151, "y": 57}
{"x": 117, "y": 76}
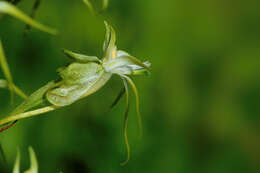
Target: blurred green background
{"x": 200, "y": 105}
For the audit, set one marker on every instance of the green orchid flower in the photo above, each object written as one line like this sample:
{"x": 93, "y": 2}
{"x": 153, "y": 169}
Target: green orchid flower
{"x": 84, "y": 76}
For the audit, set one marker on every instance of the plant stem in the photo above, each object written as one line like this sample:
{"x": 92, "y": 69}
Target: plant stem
{"x": 19, "y": 92}
{"x": 27, "y": 114}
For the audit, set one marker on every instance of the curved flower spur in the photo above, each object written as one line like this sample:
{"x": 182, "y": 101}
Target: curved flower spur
{"x": 84, "y": 76}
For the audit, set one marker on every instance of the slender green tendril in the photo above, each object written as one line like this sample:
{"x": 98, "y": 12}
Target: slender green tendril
{"x": 6, "y": 70}
{"x": 19, "y": 92}
{"x": 90, "y": 6}
{"x": 32, "y": 15}
{"x": 125, "y": 124}
{"x": 137, "y": 104}
{"x": 122, "y": 92}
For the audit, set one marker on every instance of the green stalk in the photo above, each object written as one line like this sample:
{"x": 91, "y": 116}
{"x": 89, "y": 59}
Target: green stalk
{"x": 28, "y": 114}
{"x": 7, "y": 8}
{"x": 19, "y": 92}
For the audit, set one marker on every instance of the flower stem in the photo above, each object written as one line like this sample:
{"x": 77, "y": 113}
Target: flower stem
{"x": 19, "y": 92}
{"x": 27, "y": 114}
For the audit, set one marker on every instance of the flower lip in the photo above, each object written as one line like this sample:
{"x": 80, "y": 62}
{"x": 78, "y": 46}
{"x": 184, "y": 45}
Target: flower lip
{"x": 125, "y": 64}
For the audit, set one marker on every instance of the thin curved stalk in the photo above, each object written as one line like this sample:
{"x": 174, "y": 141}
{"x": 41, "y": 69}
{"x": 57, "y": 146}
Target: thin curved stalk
{"x": 4, "y": 64}
{"x": 137, "y": 103}
{"x": 18, "y": 91}
{"x": 90, "y": 6}
{"x": 6, "y": 70}
{"x": 28, "y": 114}
{"x": 32, "y": 15}
{"x": 122, "y": 92}
{"x": 125, "y": 124}
{"x": 8, "y": 75}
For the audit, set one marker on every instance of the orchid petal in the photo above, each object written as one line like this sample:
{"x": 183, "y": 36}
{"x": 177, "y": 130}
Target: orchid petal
{"x": 109, "y": 47}
{"x": 125, "y": 65}
{"x": 80, "y": 57}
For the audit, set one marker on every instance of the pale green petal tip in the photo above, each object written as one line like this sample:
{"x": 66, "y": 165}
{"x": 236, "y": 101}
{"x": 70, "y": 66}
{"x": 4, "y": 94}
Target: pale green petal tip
{"x": 107, "y": 36}
{"x": 109, "y": 47}
{"x": 90, "y": 6}
{"x": 16, "y": 168}
{"x": 105, "y": 22}
{"x": 33, "y": 160}
{"x": 105, "y": 4}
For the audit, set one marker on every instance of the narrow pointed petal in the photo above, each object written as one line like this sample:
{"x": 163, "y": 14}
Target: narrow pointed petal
{"x": 90, "y": 6}
{"x": 34, "y": 163}
{"x": 109, "y": 46}
{"x": 107, "y": 36}
{"x": 80, "y": 57}
{"x": 125, "y": 65}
